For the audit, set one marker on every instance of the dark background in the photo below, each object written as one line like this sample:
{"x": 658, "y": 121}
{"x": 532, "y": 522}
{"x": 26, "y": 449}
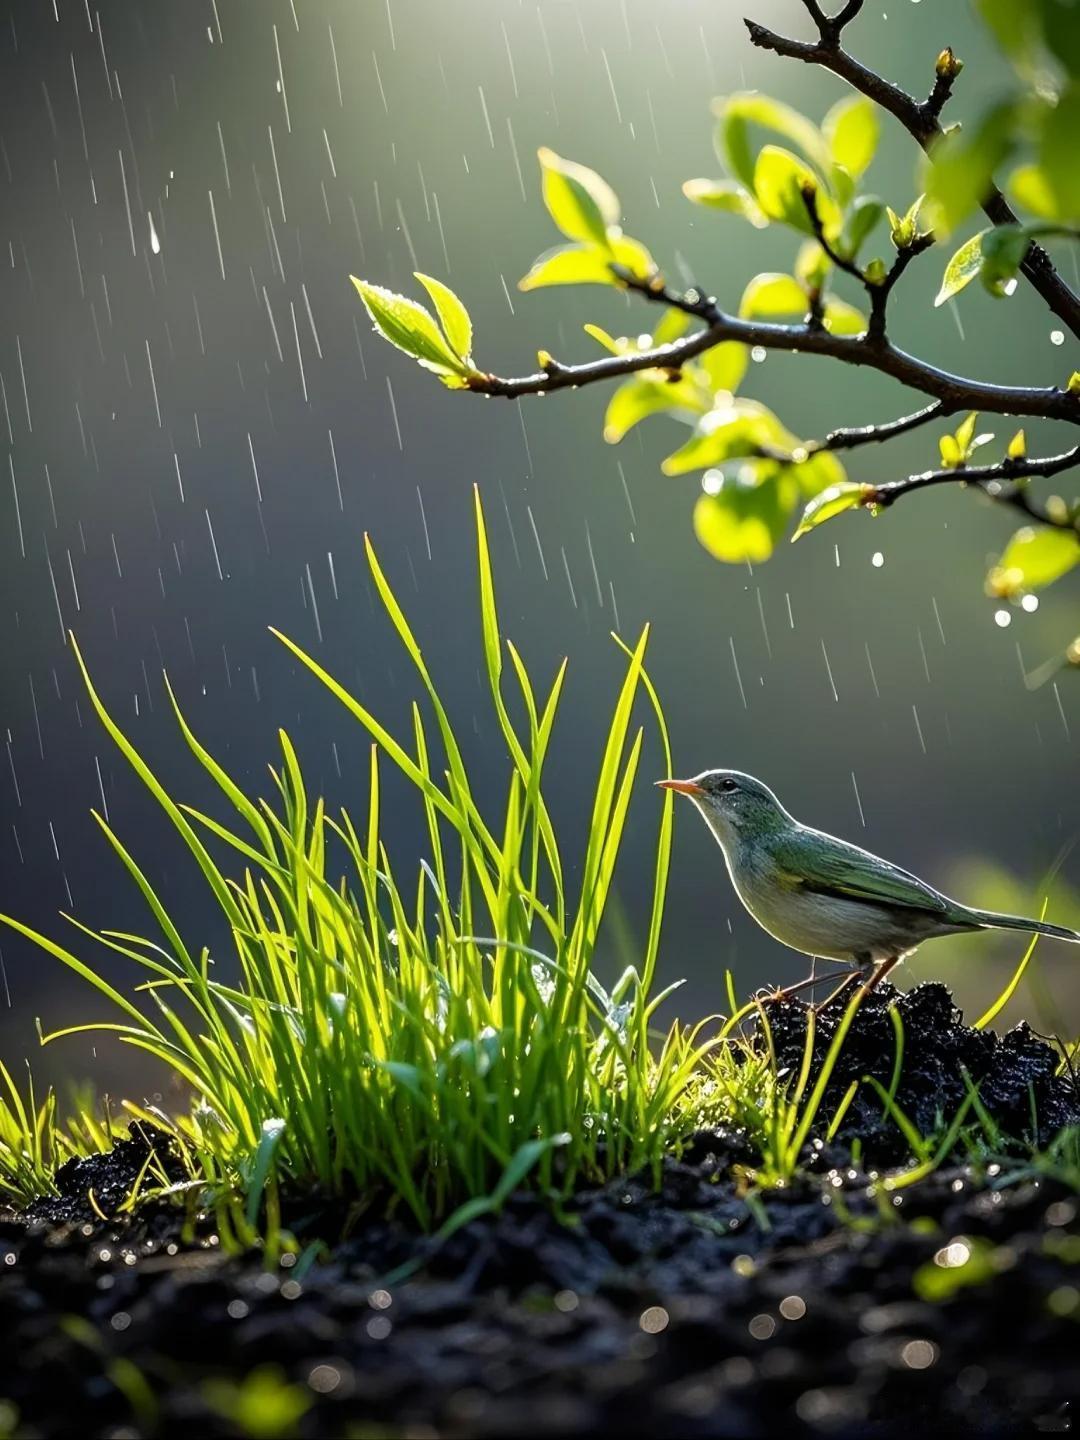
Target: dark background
{"x": 962, "y": 772}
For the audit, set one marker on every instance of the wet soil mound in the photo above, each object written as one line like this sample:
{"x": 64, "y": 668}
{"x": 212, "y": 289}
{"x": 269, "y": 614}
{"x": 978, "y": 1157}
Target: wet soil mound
{"x": 1016, "y": 1074}
{"x": 677, "y": 1308}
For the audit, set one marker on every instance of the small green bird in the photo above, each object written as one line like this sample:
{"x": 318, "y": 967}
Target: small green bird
{"x": 824, "y": 896}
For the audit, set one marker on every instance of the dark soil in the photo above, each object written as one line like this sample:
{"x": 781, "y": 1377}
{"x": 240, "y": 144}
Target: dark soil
{"x": 652, "y": 1312}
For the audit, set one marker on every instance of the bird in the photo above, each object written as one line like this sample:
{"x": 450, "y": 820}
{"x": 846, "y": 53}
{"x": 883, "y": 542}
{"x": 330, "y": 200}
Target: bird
{"x": 824, "y": 896}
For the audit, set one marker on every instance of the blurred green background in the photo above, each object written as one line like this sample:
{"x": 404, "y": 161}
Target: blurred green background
{"x": 161, "y": 374}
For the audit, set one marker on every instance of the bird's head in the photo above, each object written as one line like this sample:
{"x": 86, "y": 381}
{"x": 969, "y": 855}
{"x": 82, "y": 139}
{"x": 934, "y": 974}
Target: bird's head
{"x": 735, "y": 806}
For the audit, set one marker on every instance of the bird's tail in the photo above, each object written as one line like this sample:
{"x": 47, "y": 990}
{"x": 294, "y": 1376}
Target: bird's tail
{"x": 991, "y": 920}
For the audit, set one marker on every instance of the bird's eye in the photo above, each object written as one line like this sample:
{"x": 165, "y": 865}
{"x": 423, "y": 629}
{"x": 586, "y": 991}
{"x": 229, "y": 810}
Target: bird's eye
{"x": 727, "y": 784}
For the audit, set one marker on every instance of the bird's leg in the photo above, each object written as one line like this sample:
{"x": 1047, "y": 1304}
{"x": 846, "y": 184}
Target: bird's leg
{"x": 834, "y": 995}
{"x": 811, "y": 980}
{"x": 873, "y": 981}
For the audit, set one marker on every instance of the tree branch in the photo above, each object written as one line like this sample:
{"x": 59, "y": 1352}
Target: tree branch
{"x": 876, "y": 434}
{"x": 920, "y": 119}
{"x": 992, "y": 479}
{"x": 955, "y": 392}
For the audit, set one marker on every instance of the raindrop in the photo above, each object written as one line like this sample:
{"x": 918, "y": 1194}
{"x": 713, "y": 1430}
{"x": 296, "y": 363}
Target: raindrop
{"x": 1057, "y": 337}
{"x": 878, "y": 559}
{"x": 757, "y": 354}
{"x": 1030, "y": 603}
{"x": 1002, "y": 618}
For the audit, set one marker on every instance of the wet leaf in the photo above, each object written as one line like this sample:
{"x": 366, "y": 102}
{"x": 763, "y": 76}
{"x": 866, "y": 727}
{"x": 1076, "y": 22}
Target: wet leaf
{"x": 724, "y": 365}
{"x": 1057, "y": 152}
{"x": 582, "y": 205}
{"x": 639, "y": 398}
{"x": 965, "y": 431}
{"x": 843, "y": 319}
{"x": 454, "y": 318}
{"x": 847, "y": 495}
{"x": 773, "y": 294}
{"x": 1003, "y": 248}
{"x": 962, "y": 268}
{"x": 865, "y": 214}
{"x": 726, "y": 195}
{"x": 410, "y": 327}
{"x": 730, "y": 432}
{"x": 951, "y": 454}
{"x": 779, "y": 181}
{"x": 631, "y": 255}
{"x": 819, "y": 472}
{"x": 1034, "y": 557}
{"x": 1031, "y": 189}
{"x": 851, "y": 130}
{"x": 673, "y": 323}
{"x": 570, "y": 265}
{"x": 744, "y": 519}
{"x": 738, "y": 112}
{"x": 962, "y": 165}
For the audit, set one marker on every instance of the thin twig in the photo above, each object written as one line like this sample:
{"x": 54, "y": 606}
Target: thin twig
{"x": 987, "y": 477}
{"x": 849, "y": 439}
{"x": 956, "y": 392}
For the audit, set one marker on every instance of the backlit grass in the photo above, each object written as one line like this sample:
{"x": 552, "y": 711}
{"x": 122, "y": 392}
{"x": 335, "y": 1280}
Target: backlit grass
{"x": 438, "y": 1039}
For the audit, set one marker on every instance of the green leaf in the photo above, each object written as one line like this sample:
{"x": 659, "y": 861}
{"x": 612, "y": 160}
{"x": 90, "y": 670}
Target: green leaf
{"x": 601, "y": 336}
{"x": 726, "y": 195}
{"x": 962, "y": 164}
{"x": 779, "y": 181}
{"x": 773, "y": 294}
{"x": 965, "y": 431}
{"x": 738, "y": 112}
{"x": 454, "y": 318}
{"x": 847, "y": 495}
{"x": 812, "y": 265}
{"x": 1058, "y": 151}
{"x": 1015, "y": 27}
{"x": 1061, "y": 33}
{"x": 1003, "y": 249}
{"x": 1031, "y": 189}
{"x": 672, "y": 324}
{"x": 864, "y": 216}
{"x": 962, "y": 268}
{"x": 951, "y": 455}
{"x": 570, "y": 265}
{"x": 631, "y": 255}
{"x": 1034, "y": 558}
{"x": 851, "y": 131}
{"x": 724, "y": 365}
{"x": 730, "y": 432}
{"x": 818, "y": 472}
{"x": 410, "y": 327}
{"x": 843, "y": 319}
{"x": 638, "y": 398}
{"x": 582, "y": 205}
{"x": 745, "y": 518}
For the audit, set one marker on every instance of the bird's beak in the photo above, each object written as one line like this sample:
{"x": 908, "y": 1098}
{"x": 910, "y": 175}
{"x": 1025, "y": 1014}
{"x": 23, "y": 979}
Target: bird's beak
{"x": 684, "y": 787}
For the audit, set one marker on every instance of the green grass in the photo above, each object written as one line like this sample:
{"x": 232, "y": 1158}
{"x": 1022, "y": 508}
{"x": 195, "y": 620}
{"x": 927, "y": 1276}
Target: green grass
{"x": 432, "y": 1043}
{"x": 436, "y": 1039}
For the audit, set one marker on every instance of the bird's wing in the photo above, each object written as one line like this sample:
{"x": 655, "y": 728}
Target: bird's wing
{"x": 828, "y": 866}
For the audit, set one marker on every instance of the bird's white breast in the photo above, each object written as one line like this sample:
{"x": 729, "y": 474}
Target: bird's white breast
{"x": 823, "y": 925}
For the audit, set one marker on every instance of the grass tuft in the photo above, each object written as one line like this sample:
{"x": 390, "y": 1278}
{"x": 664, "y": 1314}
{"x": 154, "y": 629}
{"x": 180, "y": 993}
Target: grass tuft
{"x": 437, "y": 1040}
